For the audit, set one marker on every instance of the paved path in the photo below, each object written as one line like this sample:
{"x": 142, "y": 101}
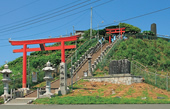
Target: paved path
{"x": 106, "y": 106}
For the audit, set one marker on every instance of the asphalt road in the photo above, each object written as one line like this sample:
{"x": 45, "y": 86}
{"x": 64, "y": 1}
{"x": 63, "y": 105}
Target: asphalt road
{"x": 107, "y": 106}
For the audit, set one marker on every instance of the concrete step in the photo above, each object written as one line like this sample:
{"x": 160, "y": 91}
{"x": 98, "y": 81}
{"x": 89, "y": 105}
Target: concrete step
{"x": 19, "y": 101}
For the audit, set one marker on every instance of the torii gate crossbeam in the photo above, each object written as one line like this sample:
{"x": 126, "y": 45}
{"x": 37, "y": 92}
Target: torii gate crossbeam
{"x": 115, "y": 30}
{"x": 41, "y": 42}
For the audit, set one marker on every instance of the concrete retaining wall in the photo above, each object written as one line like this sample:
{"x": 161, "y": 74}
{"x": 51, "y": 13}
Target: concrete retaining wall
{"x": 126, "y": 80}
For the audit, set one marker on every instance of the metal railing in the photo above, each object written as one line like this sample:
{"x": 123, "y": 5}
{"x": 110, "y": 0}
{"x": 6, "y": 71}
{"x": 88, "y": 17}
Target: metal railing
{"x": 153, "y": 78}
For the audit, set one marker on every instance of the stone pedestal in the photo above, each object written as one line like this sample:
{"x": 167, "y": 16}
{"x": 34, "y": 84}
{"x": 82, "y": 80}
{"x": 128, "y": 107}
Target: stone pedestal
{"x": 105, "y": 51}
{"x": 83, "y": 57}
{"x": 63, "y": 78}
{"x": 101, "y": 56}
{"x": 73, "y": 68}
{"x": 86, "y": 55}
{"x": 78, "y": 63}
{"x": 75, "y": 64}
{"x": 97, "y": 61}
{"x": 95, "y": 64}
{"x": 81, "y": 61}
{"x": 98, "y": 58}
{"x": 92, "y": 67}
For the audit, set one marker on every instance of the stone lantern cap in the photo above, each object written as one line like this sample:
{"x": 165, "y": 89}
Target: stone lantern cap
{"x": 48, "y": 67}
{"x": 89, "y": 56}
{"x": 6, "y": 70}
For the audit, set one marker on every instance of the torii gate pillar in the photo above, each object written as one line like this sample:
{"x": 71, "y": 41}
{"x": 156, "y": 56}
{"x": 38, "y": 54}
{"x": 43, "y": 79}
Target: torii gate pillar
{"x": 41, "y": 42}
{"x": 24, "y": 72}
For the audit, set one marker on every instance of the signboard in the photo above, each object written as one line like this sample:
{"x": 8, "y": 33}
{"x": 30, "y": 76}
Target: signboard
{"x": 85, "y": 73}
{"x": 34, "y": 77}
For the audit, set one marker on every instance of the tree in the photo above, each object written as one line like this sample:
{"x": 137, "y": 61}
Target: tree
{"x": 148, "y": 33}
{"x": 128, "y": 28}
{"x": 87, "y": 33}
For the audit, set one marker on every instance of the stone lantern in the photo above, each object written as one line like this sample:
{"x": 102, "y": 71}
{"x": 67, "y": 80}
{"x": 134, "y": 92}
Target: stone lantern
{"x": 48, "y": 77}
{"x": 6, "y": 79}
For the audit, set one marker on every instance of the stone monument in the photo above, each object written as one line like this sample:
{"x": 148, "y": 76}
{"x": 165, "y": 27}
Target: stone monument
{"x": 119, "y": 67}
{"x": 6, "y": 79}
{"x": 63, "y": 79}
{"x": 153, "y": 28}
{"x": 48, "y": 77}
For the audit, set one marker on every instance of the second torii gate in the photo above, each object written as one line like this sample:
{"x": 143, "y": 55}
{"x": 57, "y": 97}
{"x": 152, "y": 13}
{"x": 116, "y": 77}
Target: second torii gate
{"x": 41, "y": 42}
{"x": 115, "y": 30}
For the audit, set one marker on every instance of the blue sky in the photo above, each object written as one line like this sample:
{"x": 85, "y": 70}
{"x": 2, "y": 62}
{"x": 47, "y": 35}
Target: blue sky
{"x": 36, "y": 19}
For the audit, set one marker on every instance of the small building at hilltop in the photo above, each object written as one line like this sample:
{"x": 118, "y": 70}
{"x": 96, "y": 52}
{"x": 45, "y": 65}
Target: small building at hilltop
{"x": 77, "y": 32}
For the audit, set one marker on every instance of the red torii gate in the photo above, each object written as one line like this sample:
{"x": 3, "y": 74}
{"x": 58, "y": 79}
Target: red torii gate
{"x": 115, "y": 30}
{"x": 41, "y": 42}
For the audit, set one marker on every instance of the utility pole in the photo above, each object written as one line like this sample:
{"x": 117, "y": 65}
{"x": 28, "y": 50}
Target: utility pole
{"x": 91, "y": 25}
{"x": 98, "y": 31}
{"x": 73, "y": 29}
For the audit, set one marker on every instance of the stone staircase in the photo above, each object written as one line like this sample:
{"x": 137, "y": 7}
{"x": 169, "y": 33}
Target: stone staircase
{"x": 78, "y": 69}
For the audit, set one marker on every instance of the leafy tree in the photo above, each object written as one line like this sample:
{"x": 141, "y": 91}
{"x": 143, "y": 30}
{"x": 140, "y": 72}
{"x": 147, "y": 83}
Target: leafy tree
{"x": 87, "y": 33}
{"x": 148, "y": 33}
{"x": 128, "y": 28}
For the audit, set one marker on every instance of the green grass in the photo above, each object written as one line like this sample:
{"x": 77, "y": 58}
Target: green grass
{"x": 97, "y": 100}
{"x": 161, "y": 95}
{"x": 145, "y": 93}
{"x": 101, "y": 92}
{"x": 78, "y": 84}
{"x": 130, "y": 91}
{"x": 1, "y": 100}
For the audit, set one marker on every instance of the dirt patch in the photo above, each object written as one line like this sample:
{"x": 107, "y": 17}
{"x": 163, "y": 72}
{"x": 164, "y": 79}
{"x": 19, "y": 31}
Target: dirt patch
{"x": 98, "y": 70}
{"x": 105, "y": 89}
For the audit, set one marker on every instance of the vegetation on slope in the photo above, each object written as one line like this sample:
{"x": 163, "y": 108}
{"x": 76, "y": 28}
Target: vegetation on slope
{"x": 155, "y": 54}
{"x": 86, "y": 92}
{"x": 151, "y": 53}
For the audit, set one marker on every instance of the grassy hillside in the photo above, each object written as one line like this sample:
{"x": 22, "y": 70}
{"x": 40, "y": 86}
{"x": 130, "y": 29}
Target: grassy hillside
{"x": 152, "y": 53}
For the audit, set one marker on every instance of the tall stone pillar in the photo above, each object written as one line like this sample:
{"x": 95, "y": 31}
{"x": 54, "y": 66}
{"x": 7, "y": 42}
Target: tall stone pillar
{"x": 6, "y": 79}
{"x": 48, "y": 77}
{"x": 63, "y": 78}
{"x": 89, "y": 67}
{"x": 153, "y": 28}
